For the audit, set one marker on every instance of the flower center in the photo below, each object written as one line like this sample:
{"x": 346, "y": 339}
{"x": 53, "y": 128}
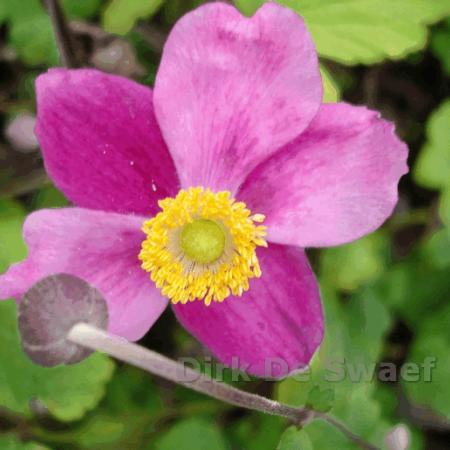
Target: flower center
{"x": 202, "y": 245}
{"x": 203, "y": 241}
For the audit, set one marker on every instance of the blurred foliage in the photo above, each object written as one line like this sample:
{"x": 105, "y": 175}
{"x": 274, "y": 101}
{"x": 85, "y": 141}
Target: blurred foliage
{"x": 12, "y": 443}
{"x": 192, "y": 434}
{"x": 433, "y": 166}
{"x": 432, "y": 340}
{"x": 12, "y": 247}
{"x": 121, "y": 15}
{"x": 349, "y": 266}
{"x": 364, "y": 31}
{"x": 385, "y": 296}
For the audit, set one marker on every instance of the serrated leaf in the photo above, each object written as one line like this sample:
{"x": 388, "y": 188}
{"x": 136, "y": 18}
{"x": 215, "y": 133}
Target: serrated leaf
{"x": 295, "y": 439}
{"x": 10, "y": 442}
{"x": 320, "y": 399}
{"x": 67, "y": 391}
{"x": 192, "y": 434}
{"x": 120, "y": 15}
{"x": 364, "y": 31}
{"x": 433, "y": 165}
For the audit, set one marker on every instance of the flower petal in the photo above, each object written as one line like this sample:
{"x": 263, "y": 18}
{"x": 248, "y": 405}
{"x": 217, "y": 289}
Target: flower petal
{"x": 335, "y": 183}
{"x": 276, "y": 326}
{"x": 101, "y": 248}
{"x": 231, "y": 90}
{"x": 101, "y": 142}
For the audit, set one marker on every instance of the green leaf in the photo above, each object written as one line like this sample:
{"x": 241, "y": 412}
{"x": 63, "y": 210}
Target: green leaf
{"x": 15, "y": 11}
{"x": 440, "y": 43}
{"x": 131, "y": 388}
{"x": 31, "y": 32}
{"x": 67, "y": 391}
{"x": 81, "y": 9}
{"x": 10, "y": 442}
{"x": 295, "y": 439}
{"x": 433, "y": 165}
{"x": 345, "y": 364}
{"x": 100, "y": 430}
{"x": 364, "y": 31}
{"x": 327, "y": 437}
{"x": 258, "y": 432}
{"x": 331, "y": 91}
{"x": 350, "y": 266}
{"x": 444, "y": 206}
{"x": 192, "y": 434}
{"x": 131, "y": 409}
{"x": 174, "y": 9}
{"x": 437, "y": 249}
{"x": 12, "y": 247}
{"x": 49, "y": 197}
{"x": 120, "y": 15}
{"x": 430, "y": 353}
{"x": 413, "y": 288}
{"x": 320, "y": 399}
{"x": 248, "y": 7}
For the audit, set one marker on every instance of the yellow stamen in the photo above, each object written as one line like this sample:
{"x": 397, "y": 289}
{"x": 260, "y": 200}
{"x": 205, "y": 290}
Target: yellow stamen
{"x": 202, "y": 246}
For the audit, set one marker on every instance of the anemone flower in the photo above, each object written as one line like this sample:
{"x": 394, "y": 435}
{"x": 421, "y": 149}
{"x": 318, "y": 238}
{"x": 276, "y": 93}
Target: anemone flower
{"x": 205, "y": 192}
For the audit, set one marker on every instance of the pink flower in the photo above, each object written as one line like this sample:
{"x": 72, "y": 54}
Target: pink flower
{"x": 236, "y": 108}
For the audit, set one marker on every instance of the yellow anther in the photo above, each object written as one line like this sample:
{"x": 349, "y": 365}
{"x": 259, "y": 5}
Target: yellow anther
{"x": 202, "y": 245}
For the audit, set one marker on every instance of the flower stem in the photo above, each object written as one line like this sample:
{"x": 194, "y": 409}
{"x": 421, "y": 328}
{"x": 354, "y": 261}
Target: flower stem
{"x": 361, "y": 443}
{"x": 62, "y": 33}
{"x": 157, "y": 364}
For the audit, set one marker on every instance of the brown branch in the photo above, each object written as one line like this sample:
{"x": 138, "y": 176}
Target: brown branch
{"x": 24, "y": 185}
{"x": 153, "y": 36}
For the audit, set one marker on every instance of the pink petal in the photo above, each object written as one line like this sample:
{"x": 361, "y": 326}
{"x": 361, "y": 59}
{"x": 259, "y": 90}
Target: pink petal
{"x": 335, "y": 183}
{"x": 278, "y": 320}
{"x": 232, "y": 90}
{"x": 101, "y": 248}
{"x": 101, "y": 143}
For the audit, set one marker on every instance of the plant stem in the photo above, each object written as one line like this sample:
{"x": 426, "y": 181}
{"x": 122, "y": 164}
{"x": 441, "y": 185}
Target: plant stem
{"x": 62, "y": 34}
{"x": 96, "y": 339}
{"x": 150, "y": 361}
{"x": 361, "y": 443}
